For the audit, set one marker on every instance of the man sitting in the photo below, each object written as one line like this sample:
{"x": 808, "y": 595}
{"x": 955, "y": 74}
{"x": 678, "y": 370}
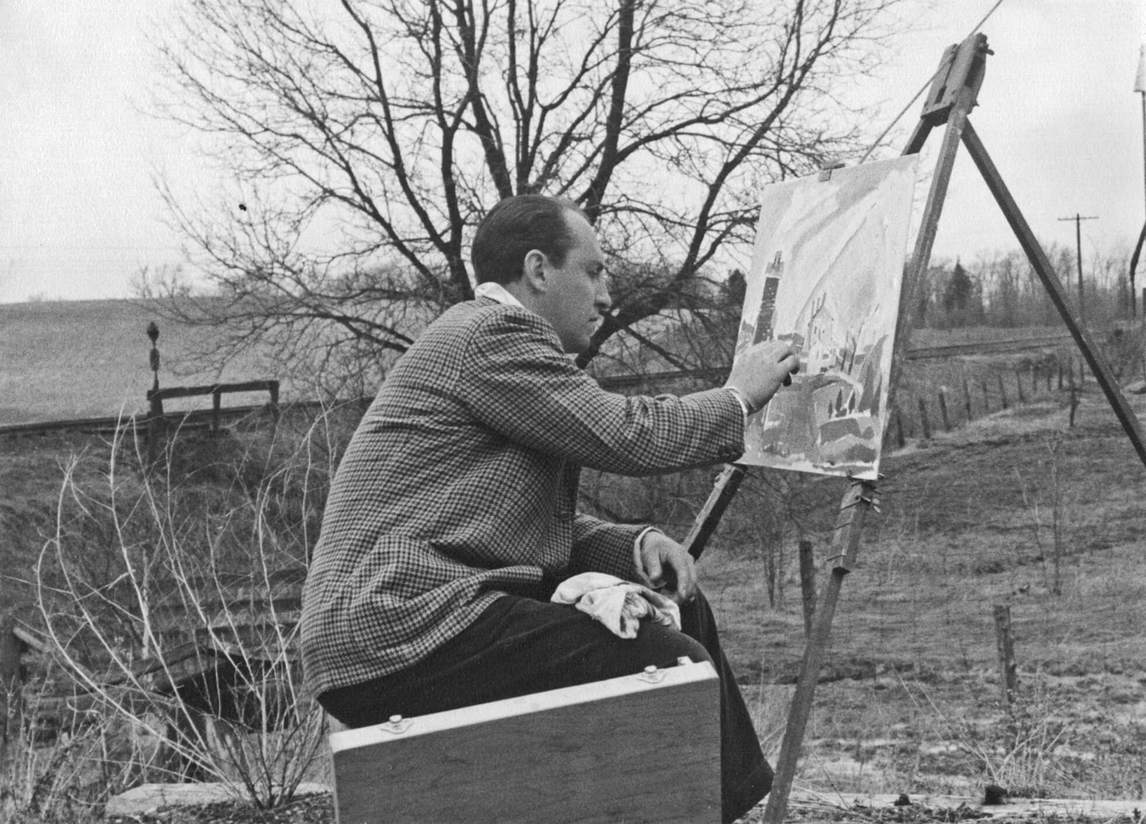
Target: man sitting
{"x": 452, "y": 516}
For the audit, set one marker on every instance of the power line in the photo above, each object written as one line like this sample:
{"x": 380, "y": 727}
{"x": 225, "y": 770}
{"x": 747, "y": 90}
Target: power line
{"x": 1078, "y": 219}
{"x": 926, "y": 85}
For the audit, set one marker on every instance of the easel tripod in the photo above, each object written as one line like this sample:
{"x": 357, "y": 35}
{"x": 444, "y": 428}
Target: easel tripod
{"x": 954, "y": 92}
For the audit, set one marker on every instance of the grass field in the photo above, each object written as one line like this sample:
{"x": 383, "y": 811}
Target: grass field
{"x": 62, "y": 360}
{"x": 910, "y": 701}
{"x": 913, "y": 701}
{"x": 86, "y": 359}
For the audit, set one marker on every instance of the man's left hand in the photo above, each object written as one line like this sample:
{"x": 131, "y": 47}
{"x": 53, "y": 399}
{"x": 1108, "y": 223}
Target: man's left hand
{"x": 666, "y": 566}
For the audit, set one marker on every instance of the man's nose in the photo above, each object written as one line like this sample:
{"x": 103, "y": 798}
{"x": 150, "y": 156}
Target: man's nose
{"x": 602, "y": 299}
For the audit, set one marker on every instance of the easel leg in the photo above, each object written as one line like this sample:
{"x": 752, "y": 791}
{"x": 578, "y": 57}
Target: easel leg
{"x": 845, "y": 544}
{"x": 725, "y": 486}
{"x": 859, "y": 497}
{"x": 1046, "y": 273}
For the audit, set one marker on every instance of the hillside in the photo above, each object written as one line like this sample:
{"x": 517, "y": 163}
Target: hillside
{"x": 81, "y": 359}
{"x": 910, "y": 697}
{"x": 62, "y": 360}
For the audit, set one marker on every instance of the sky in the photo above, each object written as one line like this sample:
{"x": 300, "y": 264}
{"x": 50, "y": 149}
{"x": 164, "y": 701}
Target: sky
{"x": 80, "y": 214}
{"x": 1057, "y": 114}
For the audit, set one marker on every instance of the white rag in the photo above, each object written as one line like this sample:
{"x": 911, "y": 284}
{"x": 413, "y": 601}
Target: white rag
{"x": 618, "y": 604}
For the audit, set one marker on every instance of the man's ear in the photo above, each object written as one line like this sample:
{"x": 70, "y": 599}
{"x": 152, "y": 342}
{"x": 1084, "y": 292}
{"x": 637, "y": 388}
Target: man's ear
{"x": 533, "y": 271}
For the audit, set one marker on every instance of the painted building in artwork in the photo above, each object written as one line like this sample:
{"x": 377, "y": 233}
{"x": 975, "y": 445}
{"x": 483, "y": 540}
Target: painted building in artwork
{"x": 829, "y": 419}
{"x": 820, "y": 332}
{"x": 768, "y": 300}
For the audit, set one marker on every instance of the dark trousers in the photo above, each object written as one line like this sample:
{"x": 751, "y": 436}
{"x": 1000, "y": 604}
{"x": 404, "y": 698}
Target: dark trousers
{"x": 521, "y": 645}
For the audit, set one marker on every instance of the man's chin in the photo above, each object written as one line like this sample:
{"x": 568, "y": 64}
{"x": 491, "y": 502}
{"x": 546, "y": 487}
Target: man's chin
{"x": 576, "y": 347}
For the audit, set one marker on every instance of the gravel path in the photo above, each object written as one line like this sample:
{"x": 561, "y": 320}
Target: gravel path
{"x": 319, "y": 809}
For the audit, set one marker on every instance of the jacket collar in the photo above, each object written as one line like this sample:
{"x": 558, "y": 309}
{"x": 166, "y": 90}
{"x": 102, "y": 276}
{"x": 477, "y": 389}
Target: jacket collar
{"x": 495, "y": 291}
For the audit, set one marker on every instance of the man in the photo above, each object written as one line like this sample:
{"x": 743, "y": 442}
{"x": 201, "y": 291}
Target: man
{"x": 452, "y": 515}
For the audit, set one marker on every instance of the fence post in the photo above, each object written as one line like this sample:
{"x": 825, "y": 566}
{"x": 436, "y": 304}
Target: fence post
{"x": 899, "y": 426}
{"x": 11, "y": 676}
{"x": 1074, "y": 395}
{"x": 1019, "y": 385}
{"x": 156, "y": 428}
{"x": 923, "y": 419}
{"x": 943, "y": 409}
{"x": 1002, "y": 389}
{"x": 967, "y": 398}
{"x": 807, "y": 584}
{"x": 274, "y": 388}
{"x": 1008, "y": 671}
{"x": 986, "y": 395}
{"x": 216, "y": 407}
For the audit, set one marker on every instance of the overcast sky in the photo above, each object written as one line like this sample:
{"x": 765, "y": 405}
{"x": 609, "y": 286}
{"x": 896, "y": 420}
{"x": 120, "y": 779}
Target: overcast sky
{"x": 79, "y": 214}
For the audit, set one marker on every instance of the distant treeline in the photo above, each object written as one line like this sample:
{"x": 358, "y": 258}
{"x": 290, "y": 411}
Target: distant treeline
{"x": 1002, "y": 290}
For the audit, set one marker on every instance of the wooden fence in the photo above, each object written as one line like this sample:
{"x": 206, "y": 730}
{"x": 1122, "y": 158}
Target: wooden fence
{"x": 921, "y": 412}
{"x": 155, "y": 397}
{"x": 157, "y": 420}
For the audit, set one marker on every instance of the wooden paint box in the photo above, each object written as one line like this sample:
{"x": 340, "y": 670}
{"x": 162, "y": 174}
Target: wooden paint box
{"x": 643, "y": 747}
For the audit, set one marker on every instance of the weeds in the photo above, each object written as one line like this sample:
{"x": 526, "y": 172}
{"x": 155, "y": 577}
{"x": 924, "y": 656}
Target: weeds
{"x": 62, "y": 759}
{"x": 1056, "y": 550}
{"x": 170, "y": 594}
{"x": 1023, "y": 748}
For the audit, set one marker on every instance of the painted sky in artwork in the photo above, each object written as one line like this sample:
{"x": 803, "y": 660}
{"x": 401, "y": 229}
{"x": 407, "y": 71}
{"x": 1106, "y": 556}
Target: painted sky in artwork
{"x": 825, "y": 276}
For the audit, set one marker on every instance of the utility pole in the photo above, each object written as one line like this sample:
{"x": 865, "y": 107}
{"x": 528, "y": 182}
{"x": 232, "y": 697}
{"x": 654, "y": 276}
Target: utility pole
{"x": 1078, "y": 219}
{"x": 1140, "y": 88}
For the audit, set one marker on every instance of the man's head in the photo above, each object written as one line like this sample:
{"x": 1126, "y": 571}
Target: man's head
{"x": 544, "y": 251}
{"x": 516, "y": 225}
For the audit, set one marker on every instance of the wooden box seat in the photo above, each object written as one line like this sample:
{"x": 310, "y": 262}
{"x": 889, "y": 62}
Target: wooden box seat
{"x": 643, "y": 747}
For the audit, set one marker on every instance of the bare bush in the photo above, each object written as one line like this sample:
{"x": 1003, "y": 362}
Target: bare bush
{"x": 171, "y": 596}
{"x": 54, "y": 770}
{"x": 1025, "y": 749}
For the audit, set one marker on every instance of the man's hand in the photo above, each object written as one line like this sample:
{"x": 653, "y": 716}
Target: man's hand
{"x": 761, "y": 369}
{"x": 665, "y": 566}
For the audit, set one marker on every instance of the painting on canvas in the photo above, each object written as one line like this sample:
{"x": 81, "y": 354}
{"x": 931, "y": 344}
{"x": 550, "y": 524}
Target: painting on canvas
{"x": 825, "y": 276}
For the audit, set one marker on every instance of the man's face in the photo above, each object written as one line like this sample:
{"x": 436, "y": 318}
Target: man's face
{"x": 577, "y": 294}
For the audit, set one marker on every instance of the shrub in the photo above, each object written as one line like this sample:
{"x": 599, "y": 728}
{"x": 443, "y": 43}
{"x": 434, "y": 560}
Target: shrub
{"x": 170, "y": 592}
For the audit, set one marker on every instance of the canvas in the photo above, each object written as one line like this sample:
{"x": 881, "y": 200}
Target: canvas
{"x": 825, "y": 275}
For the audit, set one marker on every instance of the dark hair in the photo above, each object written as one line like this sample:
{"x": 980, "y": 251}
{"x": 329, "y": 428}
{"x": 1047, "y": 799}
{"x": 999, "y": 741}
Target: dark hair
{"x": 513, "y": 227}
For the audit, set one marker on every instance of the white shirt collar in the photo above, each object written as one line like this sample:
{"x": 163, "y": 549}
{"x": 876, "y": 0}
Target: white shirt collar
{"x": 495, "y": 291}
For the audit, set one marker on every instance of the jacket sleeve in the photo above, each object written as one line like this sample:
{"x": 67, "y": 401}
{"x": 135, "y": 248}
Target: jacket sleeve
{"x": 516, "y": 380}
{"x": 600, "y": 546}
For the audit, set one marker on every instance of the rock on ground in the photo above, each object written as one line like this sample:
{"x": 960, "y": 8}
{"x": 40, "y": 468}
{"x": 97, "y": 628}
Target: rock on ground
{"x": 214, "y": 802}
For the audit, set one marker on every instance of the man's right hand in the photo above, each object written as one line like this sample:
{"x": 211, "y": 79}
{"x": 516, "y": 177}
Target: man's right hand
{"x": 761, "y": 369}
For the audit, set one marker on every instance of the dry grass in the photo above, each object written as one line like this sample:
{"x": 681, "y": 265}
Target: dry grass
{"x": 184, "y": 574}
{"x": 912, "y": 702}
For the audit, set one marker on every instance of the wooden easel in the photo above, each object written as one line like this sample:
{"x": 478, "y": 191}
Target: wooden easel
{"x": 954, "y": 91}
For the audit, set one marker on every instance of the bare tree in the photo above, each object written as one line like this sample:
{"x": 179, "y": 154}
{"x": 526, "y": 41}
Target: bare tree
{"x": 365, "y": 142}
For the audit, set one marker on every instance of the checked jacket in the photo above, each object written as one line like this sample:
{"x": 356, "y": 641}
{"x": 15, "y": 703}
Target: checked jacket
{"x": 460, "y": 484}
